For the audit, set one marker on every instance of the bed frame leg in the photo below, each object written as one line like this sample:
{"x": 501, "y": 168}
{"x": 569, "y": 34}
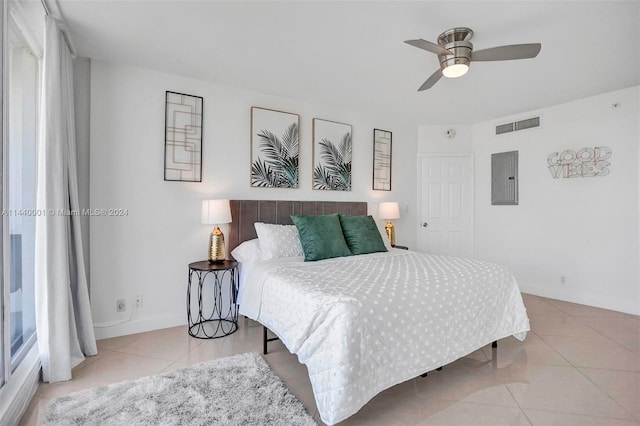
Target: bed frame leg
{"x": 425, "y": 374}
{"x": 264, "y": 340}
{"x": 494, "y": 344}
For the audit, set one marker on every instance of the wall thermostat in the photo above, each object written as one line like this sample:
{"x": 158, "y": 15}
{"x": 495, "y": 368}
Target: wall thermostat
{"x": 451, "y": 133}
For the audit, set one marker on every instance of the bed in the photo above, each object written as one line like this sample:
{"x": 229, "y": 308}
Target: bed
{"x": 362, "y": 324}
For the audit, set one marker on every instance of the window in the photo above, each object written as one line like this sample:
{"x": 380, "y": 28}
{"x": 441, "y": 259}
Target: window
{"x": 21, "y": 74}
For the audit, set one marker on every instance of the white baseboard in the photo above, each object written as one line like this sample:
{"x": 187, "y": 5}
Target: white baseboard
{"x": 16, "y": 395}
{"x": 140, "y": 325}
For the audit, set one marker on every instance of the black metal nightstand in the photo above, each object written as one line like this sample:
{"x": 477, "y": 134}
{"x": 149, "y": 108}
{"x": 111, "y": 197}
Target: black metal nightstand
{"x": 401, "y": 247}
{"x": 218, "y": 323}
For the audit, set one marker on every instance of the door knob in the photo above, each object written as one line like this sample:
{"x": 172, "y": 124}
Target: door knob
{"x": 424, "y": 225}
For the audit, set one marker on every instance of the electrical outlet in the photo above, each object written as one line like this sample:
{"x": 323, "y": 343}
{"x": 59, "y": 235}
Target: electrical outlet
{"x": 121, "y": 305}
{"x": 139, "y": 301}
{"x": 563, "y": 279}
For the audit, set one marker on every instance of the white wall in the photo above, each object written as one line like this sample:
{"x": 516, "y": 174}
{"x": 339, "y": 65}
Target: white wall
{"x": 432, "y": 138}
{"x": 147, "y": 252}
{"x": 583, "y": 228}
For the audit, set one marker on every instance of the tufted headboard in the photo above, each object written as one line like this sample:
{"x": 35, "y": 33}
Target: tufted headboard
{"x": 246, "y": 212}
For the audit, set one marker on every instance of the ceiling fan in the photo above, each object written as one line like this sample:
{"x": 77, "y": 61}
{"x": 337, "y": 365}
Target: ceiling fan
{"x": 455, "y": 53}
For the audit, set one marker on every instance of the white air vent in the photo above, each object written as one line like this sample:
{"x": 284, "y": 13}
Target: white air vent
{"x": 528, "y": 123}
{"x": 518, "y": 125}
{"x": 504, "y": 128}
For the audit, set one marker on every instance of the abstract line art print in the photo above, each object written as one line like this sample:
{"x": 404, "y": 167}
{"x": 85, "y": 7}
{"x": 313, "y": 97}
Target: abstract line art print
{"x": 183, "y": 137}
{"x": 381, "y": 160}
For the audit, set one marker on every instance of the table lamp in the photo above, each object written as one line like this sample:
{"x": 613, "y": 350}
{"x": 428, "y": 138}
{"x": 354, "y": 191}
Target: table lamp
{"x": 216, "y": 212}
{"x": 388, "y": 211}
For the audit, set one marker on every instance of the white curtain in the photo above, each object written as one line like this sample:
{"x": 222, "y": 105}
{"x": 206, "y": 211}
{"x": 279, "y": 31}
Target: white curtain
{"x": 63, "y": 313}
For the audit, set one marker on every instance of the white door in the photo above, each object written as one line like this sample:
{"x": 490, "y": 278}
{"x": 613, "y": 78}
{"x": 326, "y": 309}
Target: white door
{"x": 445, "y": 200}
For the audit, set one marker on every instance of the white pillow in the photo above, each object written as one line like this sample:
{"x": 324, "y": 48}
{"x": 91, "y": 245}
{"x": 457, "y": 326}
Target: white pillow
{"x": 248, "y": 252}
{"x": 278, "y": 240}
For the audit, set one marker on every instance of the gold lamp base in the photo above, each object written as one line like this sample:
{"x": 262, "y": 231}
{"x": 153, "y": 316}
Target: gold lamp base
{"x": 391, "y": 233}
{"x": 216, "y": 246}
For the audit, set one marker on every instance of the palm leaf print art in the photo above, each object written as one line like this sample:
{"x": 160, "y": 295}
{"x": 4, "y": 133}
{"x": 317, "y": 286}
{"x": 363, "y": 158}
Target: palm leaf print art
{"x": 279, "y": 168}
{"x": 334, "y": 172}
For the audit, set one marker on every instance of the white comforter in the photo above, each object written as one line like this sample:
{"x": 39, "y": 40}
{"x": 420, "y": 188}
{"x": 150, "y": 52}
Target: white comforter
{"x": 364, "y": 323}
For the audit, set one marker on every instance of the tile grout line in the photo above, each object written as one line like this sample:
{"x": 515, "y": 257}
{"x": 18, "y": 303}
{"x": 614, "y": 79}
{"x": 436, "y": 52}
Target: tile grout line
{"x": 586, "y": 325}
{"x": 506, "y": 385}
{"x": 624, "y": 314}
{"x": 631, "y": 419}
{"x": 580, "y": 318}
{"x": 618, "y": 345}
{"x": 605, "y": 392}
{"x": 519, "y": 406}
{"x": 153, "y": 357}
{"x": 541, "y": 337}
{"x": 577, "y": 368}
{"x": 554, "y": 349}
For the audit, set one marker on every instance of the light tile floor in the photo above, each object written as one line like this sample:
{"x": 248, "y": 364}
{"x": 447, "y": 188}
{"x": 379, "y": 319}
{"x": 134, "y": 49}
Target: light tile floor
{"x": 579, "y": 366}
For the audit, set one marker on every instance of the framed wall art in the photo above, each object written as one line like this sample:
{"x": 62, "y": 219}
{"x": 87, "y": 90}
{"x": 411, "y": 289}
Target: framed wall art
{"x": 183, "y": 137}
{"x": 381, "y": 160}
{"x": 274, "y": 148}
{"x": 331, "y": 155}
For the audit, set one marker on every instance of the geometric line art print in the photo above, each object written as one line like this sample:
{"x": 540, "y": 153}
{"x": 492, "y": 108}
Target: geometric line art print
{"x": 183, "y": 137}
{"x": 381, "y": 160}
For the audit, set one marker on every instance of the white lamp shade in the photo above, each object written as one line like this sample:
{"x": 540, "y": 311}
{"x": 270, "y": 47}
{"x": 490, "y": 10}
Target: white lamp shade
{"x": 216, "y": 212}
{"x": 390, "y": 210}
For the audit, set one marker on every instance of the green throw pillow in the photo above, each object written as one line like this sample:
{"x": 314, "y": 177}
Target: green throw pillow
{"x": 362, "y": 234}
{"x": 321, "y": 237}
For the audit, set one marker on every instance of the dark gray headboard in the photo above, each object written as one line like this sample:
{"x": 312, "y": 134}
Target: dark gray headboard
{"x": 246, "y": 212}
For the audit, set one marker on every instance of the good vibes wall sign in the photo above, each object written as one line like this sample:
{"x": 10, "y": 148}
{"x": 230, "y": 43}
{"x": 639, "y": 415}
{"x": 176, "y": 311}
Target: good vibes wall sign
{"x": 585, "y": 162}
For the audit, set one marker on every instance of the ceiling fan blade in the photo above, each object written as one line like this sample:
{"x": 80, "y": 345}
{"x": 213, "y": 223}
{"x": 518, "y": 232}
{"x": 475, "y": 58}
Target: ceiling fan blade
{"x": 506, "y": 53}
{"x": 431, "y": 80}
{"x": 431, "y": 47}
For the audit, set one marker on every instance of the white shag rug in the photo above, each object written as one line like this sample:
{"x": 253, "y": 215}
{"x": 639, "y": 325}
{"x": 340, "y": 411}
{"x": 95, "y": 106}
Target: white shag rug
{"x": 238, "y": 390}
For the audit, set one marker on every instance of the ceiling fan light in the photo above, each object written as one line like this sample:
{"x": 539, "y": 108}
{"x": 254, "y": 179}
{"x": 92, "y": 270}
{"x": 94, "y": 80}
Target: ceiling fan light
{"x": 455, "y": 70}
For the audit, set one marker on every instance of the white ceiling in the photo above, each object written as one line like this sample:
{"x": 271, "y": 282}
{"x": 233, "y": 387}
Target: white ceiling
{"x": 351, "y": 54}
